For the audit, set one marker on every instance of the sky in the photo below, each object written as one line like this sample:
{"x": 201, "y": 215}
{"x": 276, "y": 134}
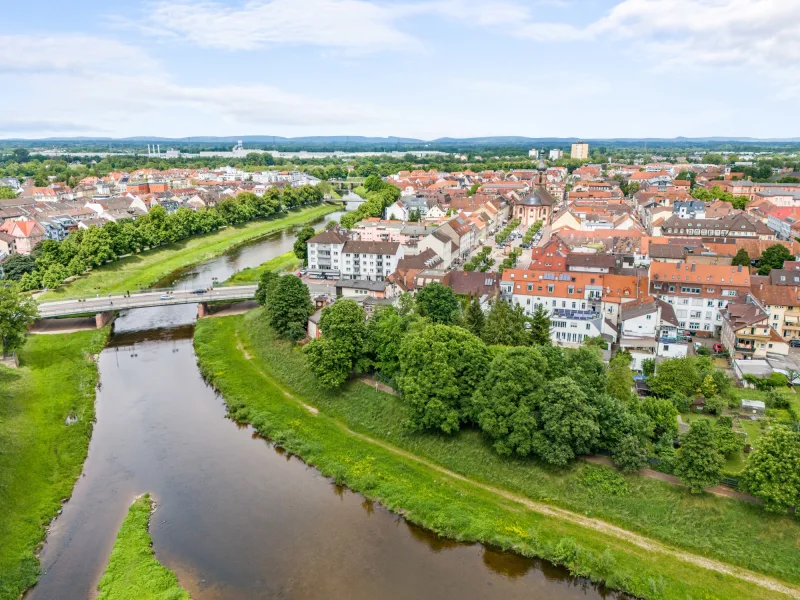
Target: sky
{"x": 408, "y": 68}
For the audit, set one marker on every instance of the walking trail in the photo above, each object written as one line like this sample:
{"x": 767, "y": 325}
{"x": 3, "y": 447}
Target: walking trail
{"x": 552, "y": 511}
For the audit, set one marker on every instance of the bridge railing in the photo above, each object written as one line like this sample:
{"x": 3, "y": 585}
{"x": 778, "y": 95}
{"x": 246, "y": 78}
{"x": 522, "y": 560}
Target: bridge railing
{"x": 135, "y": 293}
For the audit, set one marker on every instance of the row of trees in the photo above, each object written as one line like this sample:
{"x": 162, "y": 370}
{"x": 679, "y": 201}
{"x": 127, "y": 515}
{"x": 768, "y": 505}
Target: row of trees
{"x": 379, "y": 195}
{"x": 51, "y": 262}
{"x": 716, "y": 193}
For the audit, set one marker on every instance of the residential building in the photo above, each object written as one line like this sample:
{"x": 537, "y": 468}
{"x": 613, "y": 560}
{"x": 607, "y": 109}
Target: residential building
{"x": 370, "y": 261}
{"x": 580, "y": 150}
{"x": 555, "y": 154}
{"x": 649, "y": 328}
{"x": 536, "y": 206}
{"x": 699, "y": 293}
{"x": 735, "y": 225}
{"x": 26, "y": 233}
{"x": 325, "y": 251}
{"x": 746, "y": 331}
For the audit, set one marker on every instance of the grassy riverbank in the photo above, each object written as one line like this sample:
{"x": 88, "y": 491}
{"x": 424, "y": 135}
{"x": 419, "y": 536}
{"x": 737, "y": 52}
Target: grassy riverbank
{"x": 357, "y": 438}
{"x": 285, "y": 262}
{"x": 41, "y": 456}
{"x": 133, "y": 573}
{"x": 146, "y": 268}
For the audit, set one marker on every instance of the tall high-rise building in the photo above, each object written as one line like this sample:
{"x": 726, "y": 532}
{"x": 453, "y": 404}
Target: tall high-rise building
{"x": 580, "y": 150}
{"x": 556, "y": 153}
{"x": 533, "y": 153}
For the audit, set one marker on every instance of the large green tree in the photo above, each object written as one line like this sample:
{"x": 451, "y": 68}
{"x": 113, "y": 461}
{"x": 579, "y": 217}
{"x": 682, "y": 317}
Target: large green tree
{"x": 16, "y": 314}
{"x": 288, "y": 307}
{"x": 540, "y": 327}
{"x": 742, "y": 258}
{"x": 699, "y": 462}
{"x": 17, "y": 265}
{"x": 438, "y": 303}
{"x": 773, "y": 472}
{"x": 6, "y": 193}
{"x": 265, "y": 283}
{"x": 773, "y": 258}
{"x": 474, "y": 319}
{"x": 675, "y": 375}
{"x": 505, "y": 325}
{"x": 505, "y": 403}
{"x": 630, "y": 455}
{"x": 337, "y": 353}
{"x": 385, "y": 331}
{"x": 300, "y": 246}
{"x": 568, "y": 423}
{"x": 620, "y": 377}
{"x": 440, "y": 368}
{"x": 663, "y": 414}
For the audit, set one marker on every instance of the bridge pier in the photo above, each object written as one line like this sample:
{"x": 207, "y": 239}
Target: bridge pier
{"x": 202, "y": 310}
{"x": 104, "y": 318}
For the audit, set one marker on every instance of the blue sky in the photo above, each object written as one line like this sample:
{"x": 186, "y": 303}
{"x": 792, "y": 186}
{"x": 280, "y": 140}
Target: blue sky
{"x": 417, "y": 68}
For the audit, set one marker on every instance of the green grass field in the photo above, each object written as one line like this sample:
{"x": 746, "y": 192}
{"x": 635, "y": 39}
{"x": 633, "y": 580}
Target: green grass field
{"x": 734, "y": 532}
{"x": 146, "y": 268}
{"x": 284, "y": 262}
{"x": 133, "y": 573}
{"x": 40, "y": 455}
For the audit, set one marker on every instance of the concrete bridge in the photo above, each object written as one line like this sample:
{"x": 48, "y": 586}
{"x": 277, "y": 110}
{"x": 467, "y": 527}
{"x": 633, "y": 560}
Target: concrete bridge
{"x": 103, "y": 307}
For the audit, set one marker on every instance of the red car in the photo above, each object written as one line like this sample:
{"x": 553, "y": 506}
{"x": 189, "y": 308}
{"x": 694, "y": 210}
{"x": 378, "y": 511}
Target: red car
{"x": 718, "y": 348}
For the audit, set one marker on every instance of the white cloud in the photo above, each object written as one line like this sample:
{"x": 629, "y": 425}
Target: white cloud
{"x": 351, "y": 25}
{"x": 69, "y": 53}
{"x": 126, "y": 90}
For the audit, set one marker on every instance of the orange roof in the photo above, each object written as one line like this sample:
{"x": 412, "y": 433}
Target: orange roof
{"x": 619, "y": 288}
{"x": 700, "y": 273}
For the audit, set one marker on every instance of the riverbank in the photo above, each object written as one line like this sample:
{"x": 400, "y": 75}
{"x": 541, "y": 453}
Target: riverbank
{"x": 133, "y": 572}
{"x": 459, "y": 489}
{"x": 146, "y": 268}
{"x": 285, "y": 262}
{"x": 46, "y": 419}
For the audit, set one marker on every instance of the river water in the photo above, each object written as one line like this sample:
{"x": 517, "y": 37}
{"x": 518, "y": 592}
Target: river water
{"x": 236, "y": 518}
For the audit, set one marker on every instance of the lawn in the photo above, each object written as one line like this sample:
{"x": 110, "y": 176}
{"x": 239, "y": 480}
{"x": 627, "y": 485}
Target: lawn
{"x": 146, "y": 268}
{"x": 133, "y": 573}
{"x": 732, "y": 531}
{"x": 40, "y": 455}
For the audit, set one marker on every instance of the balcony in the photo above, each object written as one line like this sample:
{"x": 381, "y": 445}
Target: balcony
{"x": 574, "y": 315}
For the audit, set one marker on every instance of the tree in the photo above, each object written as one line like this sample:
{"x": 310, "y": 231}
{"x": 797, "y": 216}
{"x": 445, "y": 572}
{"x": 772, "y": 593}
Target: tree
{"x": 440, "y": 368}
{"x": 648, "y": 367}
{"x": 773, "y": 258}
{"x": 505, "y": 325}
{"x": 742, "y": 258}
{"x": 729, "y": 442}
{"x": 474, "y": 319}
{"x": 699, "y": 463}
{"x": 586, "y": 366}
{"x": 540, "y": 326}
{"x": 620, "y": 377}
{"x": 17, "y": 265}
{"x": 288, "y": 307}
{"x": 568, "y": 423}
{"x": 675, "y": 375}
{"x": 337, "y": 353}
{"x": 716, "y": 405}
{"x": 16, "y": 314}
{"x": 708, "y": 388}
{"x": 300, "y": 243}
{"x": 385, "y": 331}
{"x": 265, "y": 283}
{"x": 505, "y": 402}
{"x": 6, "y": 193}
{"x": 773, "y": 472}
{"x": 54, "y": 276}
{"x": 663, "y": 415}
{"x": 630, "y": 456}
{"x": 438, "y": 303}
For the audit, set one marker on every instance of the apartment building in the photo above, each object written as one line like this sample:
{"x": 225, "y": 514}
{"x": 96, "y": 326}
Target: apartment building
{"x": 779, "y": 295}
{"x": 325, "y": 251}
{"x": 573, "y": 301}
{"x": 370, "y": 261}
{"x": 699, "y": 293}
{"x": 734, "y": 225}
{"x": 580, "y": 150}
{"x": 746, "y": 331}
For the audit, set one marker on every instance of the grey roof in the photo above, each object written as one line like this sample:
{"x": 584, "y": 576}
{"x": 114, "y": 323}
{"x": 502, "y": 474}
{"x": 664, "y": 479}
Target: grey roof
{"x": 351, "y": 247}
{"x": 637, "y": 309}
{"x": 329, "y": 236}
{"x": 539, "y": 196}
{"x": 359, "y": 284}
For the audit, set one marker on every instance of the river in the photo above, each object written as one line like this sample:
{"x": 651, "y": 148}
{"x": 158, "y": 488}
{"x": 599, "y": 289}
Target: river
{"x": 236, "y": 518}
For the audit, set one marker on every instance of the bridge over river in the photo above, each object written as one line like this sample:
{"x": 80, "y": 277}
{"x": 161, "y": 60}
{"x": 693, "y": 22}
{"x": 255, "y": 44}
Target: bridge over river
{"x": 105, "y": 306}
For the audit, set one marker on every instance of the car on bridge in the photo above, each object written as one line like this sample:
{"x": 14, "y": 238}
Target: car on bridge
{"x": 166, "y": 297}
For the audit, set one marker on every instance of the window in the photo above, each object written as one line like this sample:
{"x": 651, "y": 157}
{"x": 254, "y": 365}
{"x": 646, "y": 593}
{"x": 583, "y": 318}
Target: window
{"x": 728, "y": 292}
{"x": 588, "y": 326}
{"x": 530, "y": 287}
{"x": 689, "y": 290}
{"x": 649, "y": 317}
{"x": 694, "y": 326}
{"x": 550, "y": 289}
{"x": 570, "y": 290}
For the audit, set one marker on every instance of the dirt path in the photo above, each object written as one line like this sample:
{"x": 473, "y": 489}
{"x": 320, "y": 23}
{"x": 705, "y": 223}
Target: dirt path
{"x": 552, "y": 511}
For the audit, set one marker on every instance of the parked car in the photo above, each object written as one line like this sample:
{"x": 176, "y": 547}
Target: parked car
{"x": 720, "y": 348}
{"x": 795, "y": 343}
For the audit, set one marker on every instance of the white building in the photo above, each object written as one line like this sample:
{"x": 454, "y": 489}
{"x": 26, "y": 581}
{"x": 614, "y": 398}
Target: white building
{"x": 325, "y": 251}
{"x": 533, "y": 153}
{"x": 555, "y": 154}
{"x": 370, "y": 261}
